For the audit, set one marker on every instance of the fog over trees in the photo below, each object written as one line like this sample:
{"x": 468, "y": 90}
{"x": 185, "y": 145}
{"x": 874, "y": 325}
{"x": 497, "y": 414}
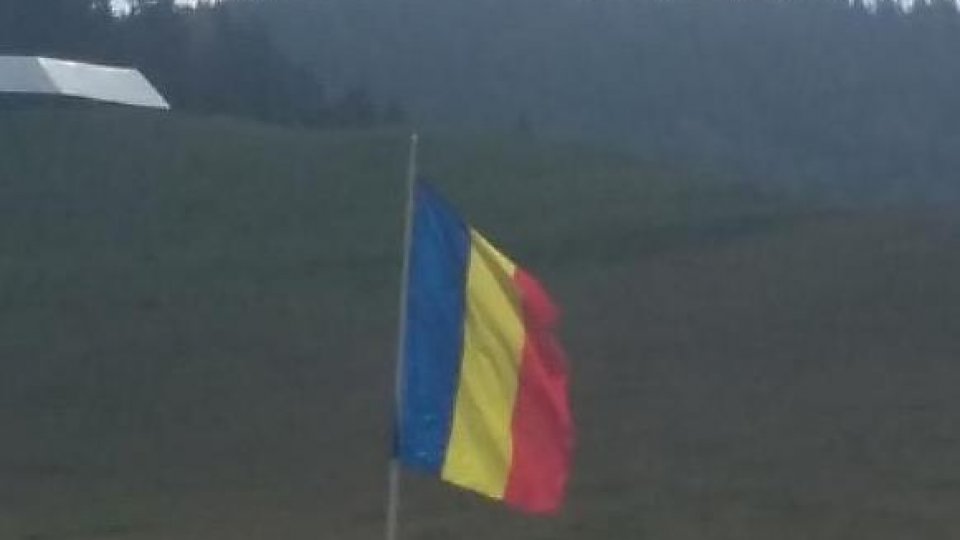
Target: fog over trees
{"x": 854, "y": 97}
{"x": 217, "y": 58}
{"x": 858, "y": 98}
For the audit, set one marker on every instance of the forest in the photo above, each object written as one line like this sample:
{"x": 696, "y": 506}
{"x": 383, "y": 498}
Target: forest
{"x": 212, "y": 59}
{"x": 857, "y": 99}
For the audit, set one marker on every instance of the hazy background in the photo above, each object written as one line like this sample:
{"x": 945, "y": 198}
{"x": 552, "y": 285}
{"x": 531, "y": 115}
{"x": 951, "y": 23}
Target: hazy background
{"x": 856, "y": 99}
{"x": 747, "y": 210}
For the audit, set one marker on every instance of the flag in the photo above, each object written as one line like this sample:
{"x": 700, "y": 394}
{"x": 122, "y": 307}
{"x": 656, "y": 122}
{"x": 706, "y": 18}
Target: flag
{"x": 483, "y": 401}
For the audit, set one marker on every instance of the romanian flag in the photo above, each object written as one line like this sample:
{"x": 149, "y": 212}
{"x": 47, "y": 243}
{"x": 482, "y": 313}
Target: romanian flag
{"x": 483, "y": 401}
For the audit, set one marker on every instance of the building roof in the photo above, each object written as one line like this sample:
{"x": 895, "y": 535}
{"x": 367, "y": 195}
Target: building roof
{"x": 39, "y": 75}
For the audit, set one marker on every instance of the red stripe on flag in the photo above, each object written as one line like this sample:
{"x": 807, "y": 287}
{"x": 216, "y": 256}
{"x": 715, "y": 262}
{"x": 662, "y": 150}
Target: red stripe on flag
{"x": 542, "y": 426}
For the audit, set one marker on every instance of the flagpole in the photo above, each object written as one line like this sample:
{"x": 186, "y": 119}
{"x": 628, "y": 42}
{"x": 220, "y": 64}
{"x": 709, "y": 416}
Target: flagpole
{"x": 393, "y": 481}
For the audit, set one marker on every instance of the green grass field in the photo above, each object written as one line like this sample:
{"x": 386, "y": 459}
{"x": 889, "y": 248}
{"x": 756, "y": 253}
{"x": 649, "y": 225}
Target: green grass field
{"x": 197, "y": 325}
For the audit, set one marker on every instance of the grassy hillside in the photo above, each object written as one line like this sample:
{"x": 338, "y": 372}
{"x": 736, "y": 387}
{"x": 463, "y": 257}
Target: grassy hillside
{"x": 197, "y": 324}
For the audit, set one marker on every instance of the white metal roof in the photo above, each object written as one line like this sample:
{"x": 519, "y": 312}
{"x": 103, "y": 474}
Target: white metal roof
{"x": 38, "y": 75}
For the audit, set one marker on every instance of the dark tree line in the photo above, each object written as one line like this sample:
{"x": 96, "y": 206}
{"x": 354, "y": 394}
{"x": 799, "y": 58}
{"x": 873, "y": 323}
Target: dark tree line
{"x": 833, "y": 92}
{"x": 217, "y": 58}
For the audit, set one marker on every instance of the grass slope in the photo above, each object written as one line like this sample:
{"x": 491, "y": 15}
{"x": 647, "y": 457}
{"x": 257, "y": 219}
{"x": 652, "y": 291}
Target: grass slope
{"x": 197, "y": 319}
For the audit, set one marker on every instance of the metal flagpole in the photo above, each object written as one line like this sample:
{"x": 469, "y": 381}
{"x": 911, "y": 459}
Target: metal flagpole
{"x": 393, "y": 489}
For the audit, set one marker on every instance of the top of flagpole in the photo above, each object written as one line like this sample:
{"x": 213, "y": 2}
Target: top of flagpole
{"x": 67, "y": 78}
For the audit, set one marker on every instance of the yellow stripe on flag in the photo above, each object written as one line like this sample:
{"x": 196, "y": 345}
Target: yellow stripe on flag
{"x": 481, "y": 448}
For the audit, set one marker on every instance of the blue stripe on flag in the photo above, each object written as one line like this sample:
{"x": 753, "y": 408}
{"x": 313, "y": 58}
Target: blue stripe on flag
{"x": 435, "y": 311}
